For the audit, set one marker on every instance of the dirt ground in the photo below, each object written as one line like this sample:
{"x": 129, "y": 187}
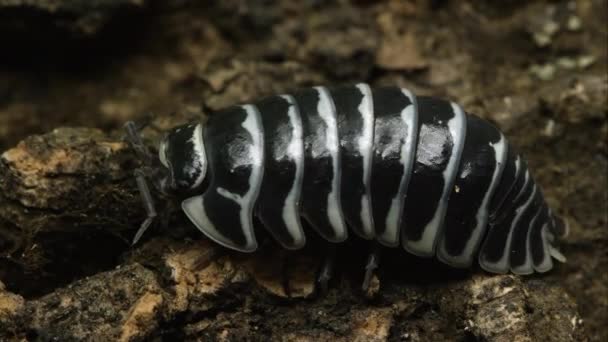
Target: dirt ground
{"x": 538, "y": 69}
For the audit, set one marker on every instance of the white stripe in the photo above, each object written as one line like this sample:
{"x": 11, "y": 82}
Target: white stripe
{"x": 465, "y": 259}
{"x": 409, "y": 116}
{"x": 426, "y": 245}
{"x": 547, "y": 263}
{"x": 553, "y": 251}
{"x": 517, "y": 166}
{"x": 162, "y": 153}
{"x": 201, "y": 158}
{"x": 195, "y": 208}
{"x": 295, "y": 151}
{"x": 327, "y": 112}
{"x": 556, "y": 254}
{"x": 366, "y": 144}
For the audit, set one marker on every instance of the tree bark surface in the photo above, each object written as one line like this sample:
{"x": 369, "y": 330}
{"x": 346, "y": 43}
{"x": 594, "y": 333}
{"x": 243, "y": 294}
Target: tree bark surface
{"x": 69, "y": 206}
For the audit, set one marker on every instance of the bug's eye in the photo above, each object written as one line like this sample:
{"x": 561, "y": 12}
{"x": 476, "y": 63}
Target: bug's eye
{"x": 162, "y": 153}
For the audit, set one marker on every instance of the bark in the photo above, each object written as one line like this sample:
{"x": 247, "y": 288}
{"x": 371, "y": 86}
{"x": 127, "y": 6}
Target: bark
{"x": 69, "y": 206}
{"x": 61, "y": 187}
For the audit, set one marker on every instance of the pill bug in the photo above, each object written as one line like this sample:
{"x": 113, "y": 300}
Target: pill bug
{"x": 378, "y": 163}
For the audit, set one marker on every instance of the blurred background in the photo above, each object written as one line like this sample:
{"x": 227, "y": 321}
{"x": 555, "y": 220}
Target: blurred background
{"x": 538, "y": 69}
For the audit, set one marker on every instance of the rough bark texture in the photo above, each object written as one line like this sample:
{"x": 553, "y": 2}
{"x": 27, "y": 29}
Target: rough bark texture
{"x": 69, "y": 207}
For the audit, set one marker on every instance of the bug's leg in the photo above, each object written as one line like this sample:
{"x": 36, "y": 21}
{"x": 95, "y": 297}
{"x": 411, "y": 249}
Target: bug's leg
{"x": 148, "y": 201}
{"x": 373, "y": 261}
{"x": 327, "y": 268}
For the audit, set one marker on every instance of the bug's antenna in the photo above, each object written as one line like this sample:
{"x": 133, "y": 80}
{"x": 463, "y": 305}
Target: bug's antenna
{"x": 134, "y": 139}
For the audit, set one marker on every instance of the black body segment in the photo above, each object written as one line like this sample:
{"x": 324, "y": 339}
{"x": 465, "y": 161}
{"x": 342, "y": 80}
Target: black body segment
{"x": 481, "y": 165}
{"x": 440, "y": 142}
{"x": 354, "y": 113}
{"x": 495, "y": 252}
{"x": 512, "y": 178}
{"x": 277, "y": 204}
{"x": 540, "y": 257}
{"x": 415, "y": 172}
{"x": 518, "y": 225}
{"x": 395, "y": 137}
{"x": 510, "y": 202}
{"x": 234, "y": 146}
{"x": 320, "y": 200}
{"x": 520, "y": 259}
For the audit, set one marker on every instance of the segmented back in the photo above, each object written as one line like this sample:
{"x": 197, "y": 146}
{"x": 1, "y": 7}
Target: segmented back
{"x": 379, "y": 163}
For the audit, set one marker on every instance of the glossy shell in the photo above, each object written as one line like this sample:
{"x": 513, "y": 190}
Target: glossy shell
{"x": 382, "y": 164}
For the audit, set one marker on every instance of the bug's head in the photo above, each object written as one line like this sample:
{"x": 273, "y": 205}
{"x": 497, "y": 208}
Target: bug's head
{"x": 182, "y": 159}
{"x": 179, "y": 168}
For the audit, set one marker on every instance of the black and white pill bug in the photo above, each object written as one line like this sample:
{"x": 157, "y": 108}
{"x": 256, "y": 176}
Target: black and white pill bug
{"x": 382, "y": 164}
